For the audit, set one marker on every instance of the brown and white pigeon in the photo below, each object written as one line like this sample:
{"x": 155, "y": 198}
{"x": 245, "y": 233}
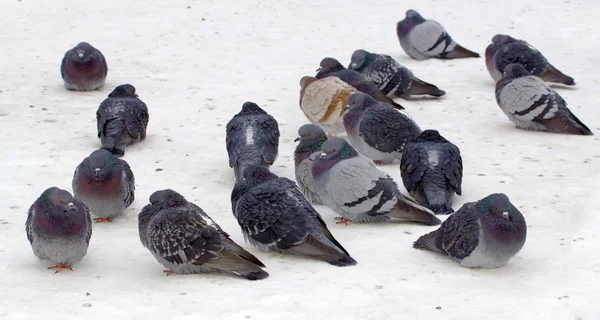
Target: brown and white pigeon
{"x": 531, "y": 104}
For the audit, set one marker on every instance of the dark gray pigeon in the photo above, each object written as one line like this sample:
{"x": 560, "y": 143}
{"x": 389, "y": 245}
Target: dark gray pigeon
{"x": 252, "y": 139}
{"x": 351, "y": 185}
{"x": 330, "y": 67}
{"x": 393, "y": 79}
{"x": 377, "y": 130}
{"x": 505, "y": 50}
{"x": 431, "y": 169}
{"x": 531, "y": 104}
{"x": 122, "y": 119}
{"x": 59, "y": 228}
{"x": 105, "y": 184}
{"x": 183, "y": 238}
{"x": 83, "y": 68}
{"x": 275, "y": 216}
{"x": 423, "y": 39}
{"x": 311, "y": 138}
{"x": 482, "y": 234}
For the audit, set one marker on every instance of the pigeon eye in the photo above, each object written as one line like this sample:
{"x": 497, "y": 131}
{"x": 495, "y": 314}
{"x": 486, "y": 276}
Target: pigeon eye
{"x": 353, "y": 102}
{"x": 308, "y": 134}
{"x": 157, "y": 201}
{"x": 332, "y": 151}
{"x": 327, "y": 65}
{"x": 60, "y": 201}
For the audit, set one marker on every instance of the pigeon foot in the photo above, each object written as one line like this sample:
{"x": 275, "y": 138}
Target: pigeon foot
{"x": 342, "y": 220}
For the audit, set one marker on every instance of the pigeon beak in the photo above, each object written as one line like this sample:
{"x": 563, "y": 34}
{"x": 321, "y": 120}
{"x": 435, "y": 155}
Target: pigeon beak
{"x": 97, "y": 172}
{"x": 71, "y": 205}
{"x": 352, "y": 66}
{"x": 297, "y": 139}
{"x": 505, "y": 215}
{"x": 319, "y": 69}
{"x": 323, "y": 154}
{"x": 80, "y": 53}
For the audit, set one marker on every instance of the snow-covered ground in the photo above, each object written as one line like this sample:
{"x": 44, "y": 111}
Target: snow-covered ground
{"x": 195, "y": 62}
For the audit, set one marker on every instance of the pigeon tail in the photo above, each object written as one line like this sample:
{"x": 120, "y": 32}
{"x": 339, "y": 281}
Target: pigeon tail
{"x": 461, "y": 52}
{"x": 258, "y": 275}
{"x": 427, "y": 242}
{"x": 112, "y": 132}
{"x": 410, "y": 210}
{"x": 438, "y": 200}
{"x": 420, "y": 87}
{"x": 554, "y": 75}
{"x": 312, "y": 247}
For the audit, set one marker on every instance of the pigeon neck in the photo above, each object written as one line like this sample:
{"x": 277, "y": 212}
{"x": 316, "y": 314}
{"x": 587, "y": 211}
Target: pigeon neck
{"x": 308, "y": 147}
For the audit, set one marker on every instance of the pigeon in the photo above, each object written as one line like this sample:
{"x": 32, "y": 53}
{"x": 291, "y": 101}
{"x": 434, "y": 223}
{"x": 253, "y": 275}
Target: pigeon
{"x": 376, "y": 129}
{"x": 531, "y": 104}
{"x": 432, "y": 170}
{"x": 330, "y": 67}
{"x": 105, "y": 184}
{"x": 393, "y": 79}
{"x": 275, "y": 216}
{"x": 83, "y": 68}
{"x": 323, "y": 102}
{"x": 351, "y": 185}
{"x": 423, "y": 39}
{"x": 505, "y": 50}
{"x": 59, "y": 228}
{"x": 482, "y": 234}
{"x": 122, "y": 119}
{"x": 183, "y": 238}
{"x": 311, "y": 138}
{"x": 252, "y": 139}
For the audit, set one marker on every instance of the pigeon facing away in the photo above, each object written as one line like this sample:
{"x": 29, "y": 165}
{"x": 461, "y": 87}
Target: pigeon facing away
{"x": 323, "y": 101}
{"x": 432, "y": 170}
{"x": 59, "y": 228}
{"x": 423, "y": 39}
{"x": 122, "y": 119}
{"x": 252, "y": 139}
{"x": 183, "y": 238}
{"x": 377, "y": 130}
{"x": 105, "y": 184}
{"x": 275, "y": 216}
{"x": 482, "y": 234}
{"x": 505, "y": 50}
{"x": 330, "y": 67}
{"x": 531, "y": 104}
{"x": 352, "y": 186}
{"x": 83, "y": 68}
{"x": 311, "y": 138}
{"x": 393, "y": 79}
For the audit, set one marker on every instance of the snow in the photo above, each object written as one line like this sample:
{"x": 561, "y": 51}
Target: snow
{"x": 195, "y": 63}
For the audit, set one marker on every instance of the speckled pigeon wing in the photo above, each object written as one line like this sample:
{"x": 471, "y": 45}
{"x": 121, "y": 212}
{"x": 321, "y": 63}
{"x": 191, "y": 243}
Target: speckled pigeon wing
{"x": 129, "y": 182}
{"x": 452, "y": 166}
{"x": 387, "y": 129}
{"x": 272, "y": 215}
{"x": 413, "y": 165}
{"x": 266, "y": 137}
{"x": 459, "y": 234}
{"x": 235, "y": 138}
{"x": 29, "y": 222}
{"x": 182, "y": 237}
{"x": 102, "y": 116}
{"x": 137, "y": 118}
{"x": 522, "y": 53}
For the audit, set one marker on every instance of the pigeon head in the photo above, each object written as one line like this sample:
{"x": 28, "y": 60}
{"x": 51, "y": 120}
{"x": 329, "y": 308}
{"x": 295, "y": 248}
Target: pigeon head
{"x": 514, "y": 71}
{"x": 404, "y": 26}
{"x": 167, "y": 198}
{"x": 82, "y": 53}
{"x": 59, "y": 199}
{"x": 360, "y": 60}
{"x": 311, "y": 138}
{"x": 502, "y": 38}
{"x": 100, "y": 166}
{"x": 430, "y": 135}
{"x": 328, "y": 65}
{"x": 123, "y": 91}
{"x": 501, "y": 218}
{"x": 358, "y": 103}
{"x": 413, "y": 15}
{"x": 60, "y": 212}
{"x": 332, "y": 151}
{"x": 251, "y": 108}
{"x": 497, "y": 42}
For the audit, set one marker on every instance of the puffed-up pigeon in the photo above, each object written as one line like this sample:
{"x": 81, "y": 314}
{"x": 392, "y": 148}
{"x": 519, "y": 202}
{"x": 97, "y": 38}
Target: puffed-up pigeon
{"x": 311, "y": 138}
{"x": 83, "y": 68}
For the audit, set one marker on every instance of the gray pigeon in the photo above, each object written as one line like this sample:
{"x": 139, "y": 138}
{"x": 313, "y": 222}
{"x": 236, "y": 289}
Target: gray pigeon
{"x": 352, "y": 186}
{"x": 105, "y": 184}
{"x": 393, "y": 79}
{"x": 275, "y": 216}
{"x": 531, "y": 104}
{"x": 376, "y": 129}
{"x": 330, "y": 67}
{"x": 252, "y": 139}
{"x": 59, "y": 228}
{"x": 311, "y": 138}
{"x": 423, "y": 39}
{"x": 183, "y": 238}
{"x": 482, "y": 234}
{"x": 505, "y": 50}
{"x": 122, "y": 119}
{"x": 83, "y": 68}
{"x": 432, "y": 170}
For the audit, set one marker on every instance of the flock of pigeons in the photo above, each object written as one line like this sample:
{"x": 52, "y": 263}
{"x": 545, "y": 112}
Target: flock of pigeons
{"x": 276, "y": 213}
